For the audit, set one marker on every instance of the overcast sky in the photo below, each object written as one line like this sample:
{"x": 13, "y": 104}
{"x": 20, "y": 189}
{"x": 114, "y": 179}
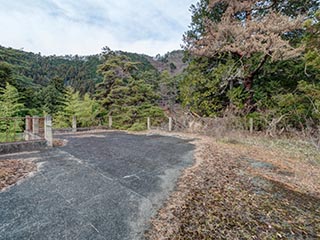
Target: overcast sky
{"x": 85, "y": 26}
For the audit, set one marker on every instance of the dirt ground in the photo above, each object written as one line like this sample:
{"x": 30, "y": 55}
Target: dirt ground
{"x": 11, "y": 171}
{"x": 244, "y": 188}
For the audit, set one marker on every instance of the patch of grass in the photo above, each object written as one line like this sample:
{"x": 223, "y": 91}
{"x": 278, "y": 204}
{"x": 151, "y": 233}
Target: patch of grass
{"x": 294, "y": 147}
{"x": 136, "y": 127}
{"x": 230, "y": 141}
{"x": 11, "y": 137}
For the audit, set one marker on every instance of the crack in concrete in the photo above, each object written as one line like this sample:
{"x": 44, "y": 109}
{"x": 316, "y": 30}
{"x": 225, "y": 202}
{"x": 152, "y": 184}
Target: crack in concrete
{"x": 94, "y": 228}
{"x": 81, "y": 162}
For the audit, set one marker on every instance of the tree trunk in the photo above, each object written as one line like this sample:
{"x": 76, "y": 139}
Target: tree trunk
{"x": 248, "y": 84}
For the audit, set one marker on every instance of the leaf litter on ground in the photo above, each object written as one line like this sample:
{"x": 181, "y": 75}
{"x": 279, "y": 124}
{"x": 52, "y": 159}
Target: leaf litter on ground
{"x": 11, "y": 171}
{"x": 240, "y": 190}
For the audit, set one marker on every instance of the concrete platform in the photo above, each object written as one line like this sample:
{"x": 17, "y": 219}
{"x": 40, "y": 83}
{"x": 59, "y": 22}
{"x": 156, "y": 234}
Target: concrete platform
{"x": 99, "y": 186}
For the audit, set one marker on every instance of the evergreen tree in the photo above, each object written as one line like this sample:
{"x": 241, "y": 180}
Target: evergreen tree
{"x": 312, "y": 40}
{"x": 116, "y": 67}
{"x": 85, "y": 110}
{"x": 10, "y": 102}
{"x": 205, "y": 92}
{"x": 251, "y": 32}
{"x": 215, "y": 80}
{"x": 10, "y": 106}
{"x": 127, "y": 99}
{"x": 88, "y": 111}
{"x": 63, "y": 118}
{"x": 51, "y": 98}
{"x": 222, "y": 27}
{"x": 6, "y": 74}
{"x": 132, "y": 101}
{"x": 168, "y": 90}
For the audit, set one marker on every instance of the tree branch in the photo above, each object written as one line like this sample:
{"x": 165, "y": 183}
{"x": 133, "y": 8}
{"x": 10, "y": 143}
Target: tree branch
{"x": 264, "y": 60}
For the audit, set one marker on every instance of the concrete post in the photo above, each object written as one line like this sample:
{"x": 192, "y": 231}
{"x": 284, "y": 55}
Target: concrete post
{"x": 170, "y": 124}
{"x": 148, "y": 124}
{"x": 35, "y": 126}
{"x": 48, "y": 131}
{"x": 251, "y": 125}
{"x": 110, "y": 122}
{"x": 28, "y": 128}
{"x": 74, "y": 124}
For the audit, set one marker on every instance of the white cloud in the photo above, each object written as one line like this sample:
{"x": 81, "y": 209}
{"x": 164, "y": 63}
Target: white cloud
{"x": 83, "y": 27}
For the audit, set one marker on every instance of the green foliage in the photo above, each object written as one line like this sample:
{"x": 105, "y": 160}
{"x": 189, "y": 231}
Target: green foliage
{"x": 127, "y": 99}
{"x": 238, "y": 97}
{"x": 260, "y": 120}
{"x": 136, "y": 127}
{"x": 31, "y": 69}
{"x": 144, "y": 64}
{"x": 10, "y": 106}
{"x": 312, "y": 41}
{"x": 41, "y": 80}
{"x": 72, "y": 102}
{"x": 169, "y": 89}
{"x": 114, "y": 69}
{"x": 84, "y": 109}
{"x": 88, "y": 112}
{"x": 10, "y": 102}
{"x": 132, "y": 101}
{"x": 151, "y": 77}
{"x": 51, "y": 98}
{"x": 5, "y": 74}
{"x": 215, "y": 86}
{"x": 301, "y": 106}
{"x": 200, "y": 12}
{"x": 205, "y": 86}
{"x": 312, "y": 58}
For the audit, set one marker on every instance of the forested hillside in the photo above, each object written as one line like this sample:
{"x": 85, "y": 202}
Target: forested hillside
{"x": 31, "y": 69}
{"x": 261, "y": 64}
{"x": 128, "y": 86}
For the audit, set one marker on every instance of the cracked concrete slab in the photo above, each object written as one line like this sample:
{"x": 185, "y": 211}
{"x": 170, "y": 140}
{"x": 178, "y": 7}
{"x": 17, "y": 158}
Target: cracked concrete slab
{"x": 99, "y": 186}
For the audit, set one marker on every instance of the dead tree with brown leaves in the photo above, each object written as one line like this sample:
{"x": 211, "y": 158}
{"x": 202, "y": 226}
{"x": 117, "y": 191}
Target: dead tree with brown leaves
{"x": 251, "y": 30}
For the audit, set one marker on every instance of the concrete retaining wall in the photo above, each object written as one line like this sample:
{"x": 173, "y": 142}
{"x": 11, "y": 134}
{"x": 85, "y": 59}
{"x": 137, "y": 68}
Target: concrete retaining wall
{"x": 14, "y": 147}
{"x": 70, "y": 130}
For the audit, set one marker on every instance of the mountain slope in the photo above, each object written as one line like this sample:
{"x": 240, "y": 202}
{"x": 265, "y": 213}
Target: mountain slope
{"x": 171, "y": 62}
{"x": 34, "y": 70}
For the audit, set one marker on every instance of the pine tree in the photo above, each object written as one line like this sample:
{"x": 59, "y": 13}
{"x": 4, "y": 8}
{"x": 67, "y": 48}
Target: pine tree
{"x": 5, "y": 74}
{"x": 10, "y": 106}
{"x": 127, "y": 99}
{"x": 52, "y": 96}
{"x": 10, "y": 102}
{"x": 132, "y": 102}
{"x": 168, "y": 89}
{"x": 63, "y": 118}
{"x": 115, "y": 67}
{"x": 251, "y": 30}
{"x": 87, "y": 112}
{"x": 84, "y": 109}
{"x": 312, "y": 40}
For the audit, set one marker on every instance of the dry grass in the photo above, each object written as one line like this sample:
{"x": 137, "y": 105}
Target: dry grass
{"x": 245, "y": 188}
